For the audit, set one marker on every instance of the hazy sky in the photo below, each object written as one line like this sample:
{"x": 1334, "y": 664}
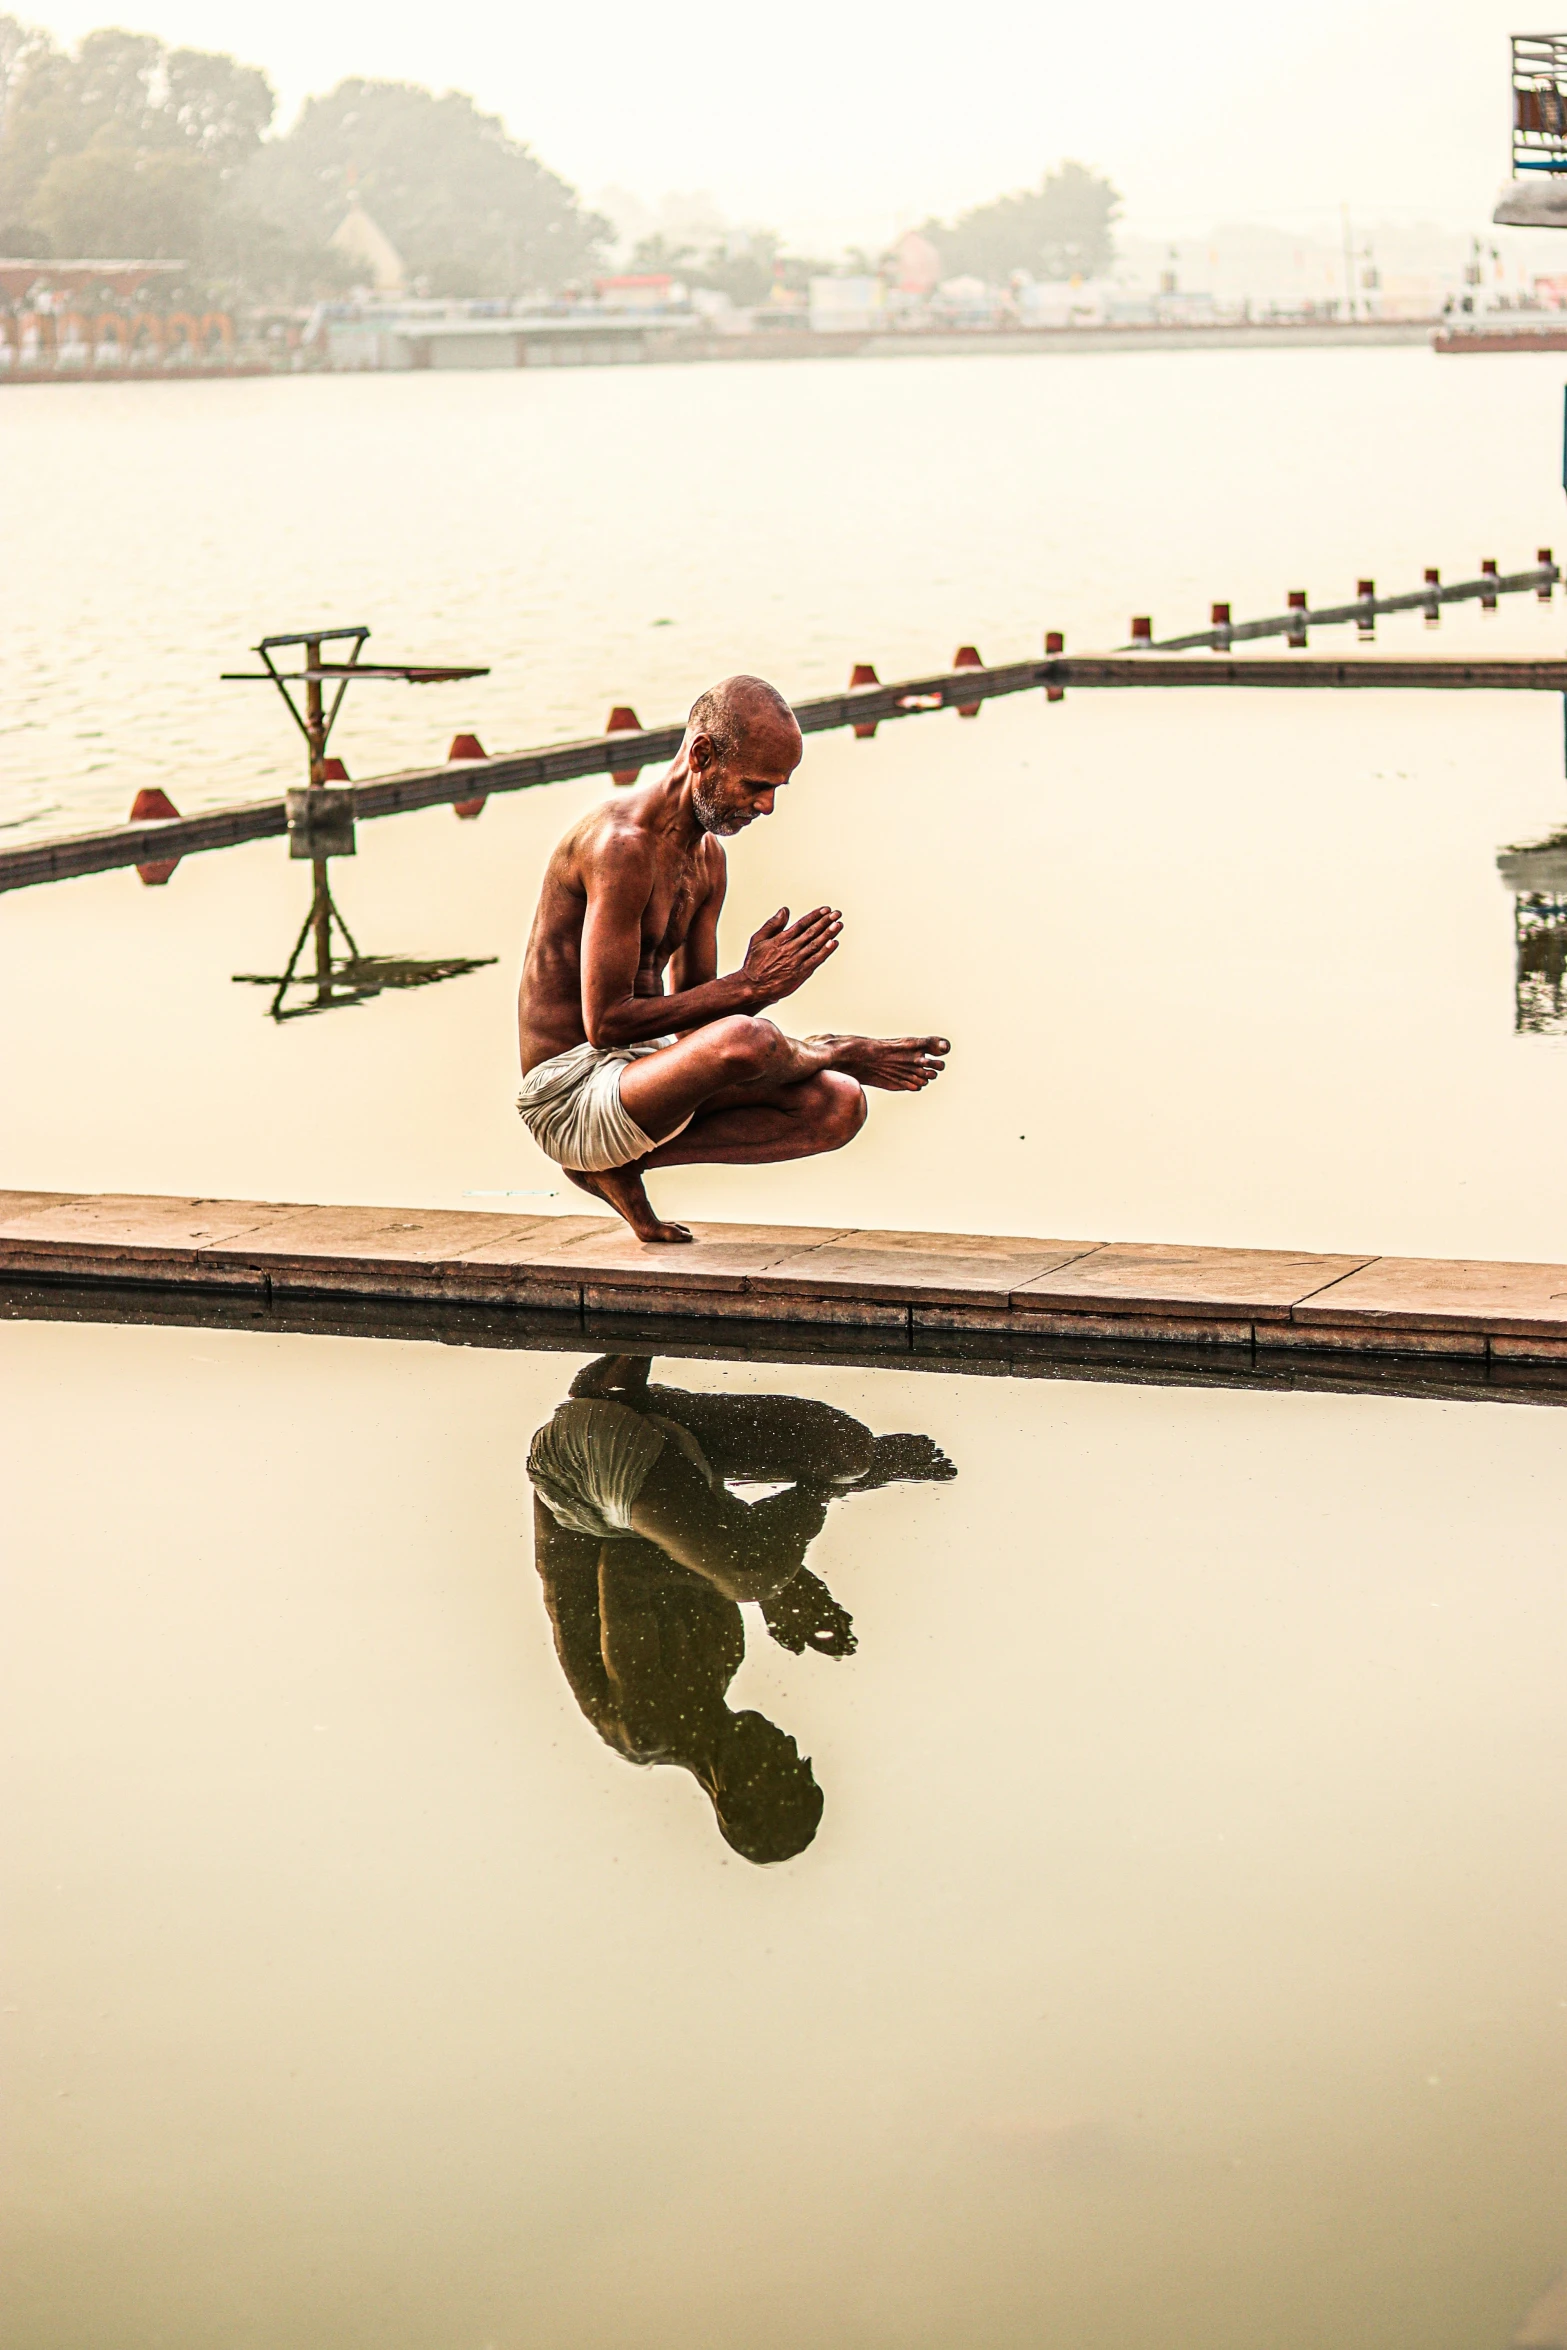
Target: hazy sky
{"x": 834, "y": 119}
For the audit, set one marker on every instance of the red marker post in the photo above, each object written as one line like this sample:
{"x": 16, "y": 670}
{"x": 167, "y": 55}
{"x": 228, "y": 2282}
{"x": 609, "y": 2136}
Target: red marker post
{"x": 624, "y": 720}
{"x": 466, "y": 746}
{"x": 152, "y": 806}
{"x": 967, "y": 657}
{"x": 863, "y": 674}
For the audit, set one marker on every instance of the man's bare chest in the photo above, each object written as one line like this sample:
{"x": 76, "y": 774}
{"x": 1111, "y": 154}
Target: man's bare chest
{"x": 671, "y": 910}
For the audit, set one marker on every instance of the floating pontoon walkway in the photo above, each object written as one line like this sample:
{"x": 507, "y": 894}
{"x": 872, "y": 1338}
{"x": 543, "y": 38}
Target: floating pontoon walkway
{"x": 863, "y": 707}
{"x": 910, "y": 1286}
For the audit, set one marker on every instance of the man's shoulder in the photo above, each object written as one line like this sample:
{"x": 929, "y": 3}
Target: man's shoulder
{"x": 609, "y": 841}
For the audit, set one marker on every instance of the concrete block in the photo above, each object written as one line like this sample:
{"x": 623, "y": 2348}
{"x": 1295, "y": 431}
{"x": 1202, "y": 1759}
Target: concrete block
{"x": 1143, "y": 1276}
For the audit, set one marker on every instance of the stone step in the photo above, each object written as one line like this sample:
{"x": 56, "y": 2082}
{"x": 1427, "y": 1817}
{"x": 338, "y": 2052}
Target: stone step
{"x": 590, "y": 1265}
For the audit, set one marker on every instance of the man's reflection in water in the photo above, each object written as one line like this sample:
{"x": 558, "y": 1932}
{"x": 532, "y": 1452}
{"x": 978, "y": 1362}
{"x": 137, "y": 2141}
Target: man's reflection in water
{"x": 645, "y": 1556}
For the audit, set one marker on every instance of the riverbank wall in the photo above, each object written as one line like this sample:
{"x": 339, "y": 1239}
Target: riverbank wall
{"x": 514, "y": 343}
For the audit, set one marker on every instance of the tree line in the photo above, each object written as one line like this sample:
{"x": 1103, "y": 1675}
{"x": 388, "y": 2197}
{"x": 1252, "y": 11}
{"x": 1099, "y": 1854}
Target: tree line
{"x": 127, "y": 149}
{"x": 1062, "y": 229}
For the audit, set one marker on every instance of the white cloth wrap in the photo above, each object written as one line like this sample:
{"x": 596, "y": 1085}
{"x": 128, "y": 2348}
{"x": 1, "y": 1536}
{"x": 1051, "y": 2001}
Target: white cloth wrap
{"x": 589, "y": 1463}
{"x": 571, "y": 1107}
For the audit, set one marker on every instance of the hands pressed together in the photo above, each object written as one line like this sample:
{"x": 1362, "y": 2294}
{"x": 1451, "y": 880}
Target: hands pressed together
{"x": 783, "y": 955}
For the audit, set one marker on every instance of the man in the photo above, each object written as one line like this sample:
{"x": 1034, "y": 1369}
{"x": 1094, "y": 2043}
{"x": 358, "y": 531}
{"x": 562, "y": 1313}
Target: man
{"x": 619, "y": 1076}
{"x": 645, "y": 1557}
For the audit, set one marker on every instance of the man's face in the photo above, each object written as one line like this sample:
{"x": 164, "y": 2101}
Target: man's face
{"x": 728, "y": 794}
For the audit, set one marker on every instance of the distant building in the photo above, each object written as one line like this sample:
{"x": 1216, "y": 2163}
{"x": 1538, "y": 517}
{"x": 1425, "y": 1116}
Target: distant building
{"x": 369, "y": 247}
{"x": 49, "y": 282}
{"x": 650, "y": 290}
{"x": 1072, "y": 302}
{"x": 917, "y": 264}
{"x": 355, "y": 336}
{"x": 966, "y": 301}
{"x": 847, "y": 305}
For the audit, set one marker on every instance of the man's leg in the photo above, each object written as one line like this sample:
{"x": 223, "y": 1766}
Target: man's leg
{"x": 764, "y": 1437}
{"x": 754, "y": 1097}
{"x": 735, "y": 1059}
{"x": 745, "y": 1552}
{"x": 746, "y": 1126}
{"x": 770, "y": 1439}
{"x": 756, "y": 1126}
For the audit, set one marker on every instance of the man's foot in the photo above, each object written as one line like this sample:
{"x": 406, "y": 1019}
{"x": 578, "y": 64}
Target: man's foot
{"x": 621, "y": 1188}
{"x": 898, "y": 1064}
{"x": 612, "y": 1375}
{"x": 903, "y": 1460}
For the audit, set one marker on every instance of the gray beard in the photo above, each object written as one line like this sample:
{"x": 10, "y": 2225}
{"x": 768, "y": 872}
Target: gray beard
{"x": 708, "y": 815}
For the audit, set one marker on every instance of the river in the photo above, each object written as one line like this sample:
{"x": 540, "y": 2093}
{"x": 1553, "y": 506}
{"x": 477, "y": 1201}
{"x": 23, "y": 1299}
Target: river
{"x": 1179, "y": 1951}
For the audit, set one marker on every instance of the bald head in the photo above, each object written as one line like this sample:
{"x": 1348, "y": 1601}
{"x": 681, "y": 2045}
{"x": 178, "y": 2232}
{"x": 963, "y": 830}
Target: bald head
{"x": 743, "y": 744}
{"x": 736, "y": 708}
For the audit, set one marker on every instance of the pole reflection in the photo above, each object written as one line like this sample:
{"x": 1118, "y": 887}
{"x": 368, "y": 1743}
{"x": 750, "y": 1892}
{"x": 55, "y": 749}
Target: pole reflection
{"x": 646, "y": 1556}
{"x": 333, "y": 979}
{"x": 1536, "y": 874}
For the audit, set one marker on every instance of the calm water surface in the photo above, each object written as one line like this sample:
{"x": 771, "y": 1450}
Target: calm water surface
{"x": 624, "y": 535}
{"x": 1237, "y": 971}
{"x": 1178, "y": 1955}
{"x": 1229, "y": 969}
{"x": 1180, "y": 1952}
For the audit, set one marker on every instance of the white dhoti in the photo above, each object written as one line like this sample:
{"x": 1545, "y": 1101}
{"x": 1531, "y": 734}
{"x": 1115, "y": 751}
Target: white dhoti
{"x": 571, "y": 1106}
{"x": 589, "y": 1463}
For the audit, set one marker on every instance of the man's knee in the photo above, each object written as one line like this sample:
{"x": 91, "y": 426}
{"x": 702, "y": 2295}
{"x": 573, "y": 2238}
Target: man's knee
{"x": 751, "y": 1050}
{"x": 840, "y": 1110}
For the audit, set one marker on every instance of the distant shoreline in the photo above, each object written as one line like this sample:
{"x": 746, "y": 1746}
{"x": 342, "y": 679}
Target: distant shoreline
{"x": 662, "y": 346}
{"x": 1233, "y": 335}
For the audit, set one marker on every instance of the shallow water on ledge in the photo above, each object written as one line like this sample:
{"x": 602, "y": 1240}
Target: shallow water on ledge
{"x": 1179, "y": 1952}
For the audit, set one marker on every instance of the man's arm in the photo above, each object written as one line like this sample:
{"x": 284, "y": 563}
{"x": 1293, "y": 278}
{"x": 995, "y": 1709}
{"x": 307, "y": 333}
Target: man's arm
{"x": 619, "y": 884}
{"x": 696, "y": 963}
{"x": 568, "y": 1569}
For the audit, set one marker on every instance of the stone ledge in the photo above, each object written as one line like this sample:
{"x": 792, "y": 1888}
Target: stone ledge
{"x": 1014, "y": 1288}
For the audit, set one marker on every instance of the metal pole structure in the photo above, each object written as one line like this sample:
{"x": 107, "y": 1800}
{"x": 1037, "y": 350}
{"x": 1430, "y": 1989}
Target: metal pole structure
{"x": 1349, "y": 263}
{"x": 315, "y": 725}
{"x": 321, "y": 922}
{"x": 321, "y": 898}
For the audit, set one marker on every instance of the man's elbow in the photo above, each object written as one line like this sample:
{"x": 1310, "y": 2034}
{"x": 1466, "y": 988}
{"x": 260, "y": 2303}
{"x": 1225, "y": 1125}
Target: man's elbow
{"x": 606, "y": 1029}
